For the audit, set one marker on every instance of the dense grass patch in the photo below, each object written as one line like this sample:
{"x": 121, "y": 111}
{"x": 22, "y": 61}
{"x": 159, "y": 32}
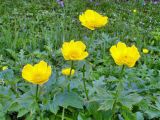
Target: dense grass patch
{"x": 35, "y": 30}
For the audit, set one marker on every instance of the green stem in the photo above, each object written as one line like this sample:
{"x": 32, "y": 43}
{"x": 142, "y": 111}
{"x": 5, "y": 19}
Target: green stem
{"x": 114, "y": 105}
{"x": 63, "y": 113}
{"x": 117, "y": 93}
{"x": 37, "y": 100}
{"x": 72, "y": 66}
{"x": 121, "y": 73}
{"x": 71, "y": 69}
{"x": 37, "y": 87}
{"x": 84, "y": 83}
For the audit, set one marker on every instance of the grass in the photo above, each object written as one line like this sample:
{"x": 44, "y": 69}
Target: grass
{"x": 34, "y": 30}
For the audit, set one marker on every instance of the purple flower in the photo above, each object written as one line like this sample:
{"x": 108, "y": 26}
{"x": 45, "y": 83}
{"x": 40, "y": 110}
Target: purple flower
{"x": 61, "y": 3}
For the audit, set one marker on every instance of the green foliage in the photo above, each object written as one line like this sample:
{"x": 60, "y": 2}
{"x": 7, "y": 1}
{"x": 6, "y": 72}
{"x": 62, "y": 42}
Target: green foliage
{"x": 129, "y": 100}
{"x": 67, "y": 99}
{"x": 34, "y": 30}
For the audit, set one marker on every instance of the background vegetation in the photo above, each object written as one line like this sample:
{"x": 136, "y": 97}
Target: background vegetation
{"x": 34, "y": 30}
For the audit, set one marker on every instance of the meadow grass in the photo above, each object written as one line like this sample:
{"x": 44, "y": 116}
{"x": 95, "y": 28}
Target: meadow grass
{"x": 34, "y": 30}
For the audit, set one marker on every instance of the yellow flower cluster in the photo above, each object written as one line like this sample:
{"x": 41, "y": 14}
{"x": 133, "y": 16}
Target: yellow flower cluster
{"x": 76, "y": 51}
{"x": 37, "y": 74}
{"x": 91, "y": 19}
{"x": 40, "y": 73}
{"x": 124, "y": 55}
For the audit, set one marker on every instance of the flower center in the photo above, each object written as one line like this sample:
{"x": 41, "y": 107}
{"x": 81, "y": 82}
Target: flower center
{"x": 38, "y": 77}
{"x": 75, "y": 54}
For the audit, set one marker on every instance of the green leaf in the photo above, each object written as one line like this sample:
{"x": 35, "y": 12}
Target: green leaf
{"x": 2, "y": 114}
{"x": 12, "y": 53}
{"x": 150, "y": 110}
{"x": 6, "y": 97}
{"x": 26, "y": 100}
{"x": 53, "y": 107}
{"x": 108, "y": 102}
{"x": 139, "y": 116}
{"x": 152, "y": 113}
{"x": 26, "y": 104}
{"x": 22, "y": 112}
{"x": 158, "y": 105}
{"x": 68, "y": 99}
{"x": 14, "y": 107}
{"x": 130, "y": 100}
{"x": 82, "y": 116}
{"x": 7, "y": 74}
{"x": 127, "y": 114}
{"x": 93, "y": 109}
{"x": 30, "y": 117}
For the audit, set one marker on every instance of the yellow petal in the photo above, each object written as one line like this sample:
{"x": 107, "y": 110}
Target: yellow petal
{"x": 27, "y": 72}
{"x": 145, "y": 51}
{"x": 114, "y": 52}
{"x": 68, "y": 71}
{"x": 81, "y": 45}
{"x": 84, "y": 55}
{"x": 82, "y": 18}
{"x": 41, "y": 67}
{"x": 88, "y": 26}
{"x": 49, "y": 71}
{"x": 121, "y": 45}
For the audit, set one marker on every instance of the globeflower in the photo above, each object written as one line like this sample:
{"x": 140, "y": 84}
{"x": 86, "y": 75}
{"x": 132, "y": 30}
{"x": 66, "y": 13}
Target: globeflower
{"x": 4, "y": 68}
{"x": 37, "y": 74}
{"x": 68, "y": 71}
{"x": 145, "y": 51}
{"x": 91, "y": 19}
{"x": 74, "y": 50}
{"x": 134, "y": 10}
{"x": 124, "y": 55}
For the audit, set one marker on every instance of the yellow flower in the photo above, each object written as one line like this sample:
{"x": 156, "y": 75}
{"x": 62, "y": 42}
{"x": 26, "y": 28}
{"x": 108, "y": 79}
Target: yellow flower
{"x": 66, "y": 71}
{"x": 74, "y": 50}
{"x": 145, "y": 51}
{"x": 37, "y": 74}
{"x": 4, "y": 67}
{"x": 124, "y": 55}
{"x": 134, "y": 10}
{"x": 91, "y": 19}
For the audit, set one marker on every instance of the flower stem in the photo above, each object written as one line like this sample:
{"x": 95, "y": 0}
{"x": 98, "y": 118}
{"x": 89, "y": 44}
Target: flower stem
{"x": 37, "y": 99}
{"x": 63, "y": 113}
{"x": 37, "y": 87}
{"x": 117, "y": 93}
{"x": 114, "y": 105}
{"x": 84, "y": 83}
{"x": 72, "y": 65}
{"x": 121, "y": 73}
